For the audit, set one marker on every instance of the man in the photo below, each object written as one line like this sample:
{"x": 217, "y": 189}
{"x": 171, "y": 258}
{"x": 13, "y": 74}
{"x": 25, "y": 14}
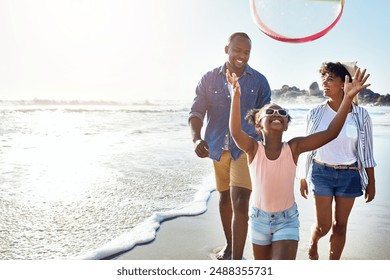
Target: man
{"x": 213, "y": 99}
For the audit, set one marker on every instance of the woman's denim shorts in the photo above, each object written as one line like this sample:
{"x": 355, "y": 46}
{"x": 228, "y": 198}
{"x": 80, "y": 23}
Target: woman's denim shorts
{"x": 328, "y": 181}
{"x": 268, "y": 227}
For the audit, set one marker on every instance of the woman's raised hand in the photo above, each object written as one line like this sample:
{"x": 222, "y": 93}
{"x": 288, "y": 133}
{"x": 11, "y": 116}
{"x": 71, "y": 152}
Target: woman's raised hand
{"x": 358, "y": 83}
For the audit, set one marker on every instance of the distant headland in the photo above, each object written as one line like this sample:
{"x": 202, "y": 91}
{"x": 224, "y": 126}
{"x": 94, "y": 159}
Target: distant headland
{"x": 285, "y": 94}
{"x": 315, "y": 95}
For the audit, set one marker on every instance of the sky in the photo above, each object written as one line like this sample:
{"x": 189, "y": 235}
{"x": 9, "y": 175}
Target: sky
{"x": 123, "y": 50}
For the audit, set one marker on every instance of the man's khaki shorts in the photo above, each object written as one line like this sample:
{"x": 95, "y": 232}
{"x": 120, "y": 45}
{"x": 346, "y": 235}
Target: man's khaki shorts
{"x": 229, "y": 172}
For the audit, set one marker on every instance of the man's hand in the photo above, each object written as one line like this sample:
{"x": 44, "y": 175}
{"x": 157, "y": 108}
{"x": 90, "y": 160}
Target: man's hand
{"x": 201, "y": 148}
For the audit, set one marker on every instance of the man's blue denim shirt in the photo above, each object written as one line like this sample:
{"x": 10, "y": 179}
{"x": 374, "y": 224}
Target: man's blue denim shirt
{"x": 213, "y": 98}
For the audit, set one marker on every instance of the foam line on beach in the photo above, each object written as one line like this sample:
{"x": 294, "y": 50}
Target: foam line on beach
{"x": 146, "y": 231}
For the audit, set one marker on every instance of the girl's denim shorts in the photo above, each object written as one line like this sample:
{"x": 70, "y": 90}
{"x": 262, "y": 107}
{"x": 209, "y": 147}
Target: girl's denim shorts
{"x": 267, "y": 227}
{"x": 328, "y": 181}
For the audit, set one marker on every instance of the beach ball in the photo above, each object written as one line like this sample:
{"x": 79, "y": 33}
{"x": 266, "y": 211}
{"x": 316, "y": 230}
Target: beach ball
{"x": 296, "y": 21}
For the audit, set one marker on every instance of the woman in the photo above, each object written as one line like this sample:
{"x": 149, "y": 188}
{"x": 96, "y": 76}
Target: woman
{"x": 274, "y": 224}
{"x": 341, "y": 169}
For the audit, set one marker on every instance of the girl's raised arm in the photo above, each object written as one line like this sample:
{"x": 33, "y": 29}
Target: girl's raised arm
{"x": 240, "y": 137}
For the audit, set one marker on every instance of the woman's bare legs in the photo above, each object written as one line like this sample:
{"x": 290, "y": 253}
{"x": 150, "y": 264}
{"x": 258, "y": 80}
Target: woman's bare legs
{"x": 323, "y": 209}
{"x": 322, "y": 225}
{"x": 343, "y": 207}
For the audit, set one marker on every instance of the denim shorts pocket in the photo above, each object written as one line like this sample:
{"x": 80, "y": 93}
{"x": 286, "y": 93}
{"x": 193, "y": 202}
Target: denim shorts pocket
{"x": 293, "y": 214}
{"x": 318, "y": 167}
{"x": 253, "y": 212}
{"x": 293, "y": 219}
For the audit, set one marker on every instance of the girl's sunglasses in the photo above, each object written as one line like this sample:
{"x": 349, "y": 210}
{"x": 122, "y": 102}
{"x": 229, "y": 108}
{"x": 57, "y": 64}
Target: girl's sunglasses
{"x": 281, "y": 112}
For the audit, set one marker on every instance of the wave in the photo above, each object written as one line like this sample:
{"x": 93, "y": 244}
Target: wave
{"x": 146, "y": 231}
{"x": 96, "y": 108}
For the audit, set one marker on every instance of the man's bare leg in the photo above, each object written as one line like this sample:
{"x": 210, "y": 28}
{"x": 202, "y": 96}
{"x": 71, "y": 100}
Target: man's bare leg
{"x": 240, "y": 201}
{"x": 225, "y": 211}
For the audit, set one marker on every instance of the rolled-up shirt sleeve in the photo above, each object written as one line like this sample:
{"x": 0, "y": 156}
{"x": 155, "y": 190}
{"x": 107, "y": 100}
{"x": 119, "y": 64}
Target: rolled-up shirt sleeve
{"x": 198, "y": 107}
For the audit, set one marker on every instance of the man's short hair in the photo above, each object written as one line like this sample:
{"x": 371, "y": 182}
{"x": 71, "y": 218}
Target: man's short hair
{"x": 238, "y": 34}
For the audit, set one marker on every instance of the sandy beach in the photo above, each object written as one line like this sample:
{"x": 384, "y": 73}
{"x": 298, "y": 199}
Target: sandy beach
{"x": 197, "y": 237}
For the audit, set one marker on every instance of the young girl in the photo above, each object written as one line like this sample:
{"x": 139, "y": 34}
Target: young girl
{"x": 274, "y": 224}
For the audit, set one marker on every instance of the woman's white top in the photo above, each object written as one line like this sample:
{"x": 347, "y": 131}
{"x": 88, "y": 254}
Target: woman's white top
{"x": 342, "y": 150}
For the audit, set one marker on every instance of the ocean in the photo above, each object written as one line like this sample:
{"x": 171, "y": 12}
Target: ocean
{"x": 92, "y": 181}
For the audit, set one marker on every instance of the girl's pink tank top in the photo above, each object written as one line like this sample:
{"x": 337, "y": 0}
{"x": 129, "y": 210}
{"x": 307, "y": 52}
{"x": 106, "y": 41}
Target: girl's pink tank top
{"x": 273, "y": 180}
